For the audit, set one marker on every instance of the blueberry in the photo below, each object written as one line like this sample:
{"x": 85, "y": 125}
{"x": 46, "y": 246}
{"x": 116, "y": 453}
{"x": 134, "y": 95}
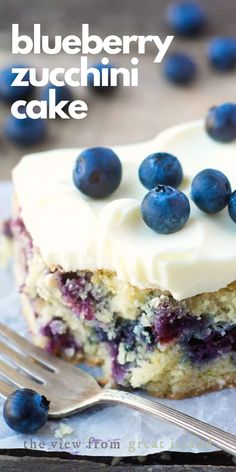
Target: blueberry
{"x": 179, "y": 68}
{"x": 10, "y": 93}
{"x": 97, "y": 172}
{"x": 222, "y": 53}
{"x": 160, "y": 168}
{"x": 221, "y": 122}
{"x": 25, "y": 132}
{"x": 165, "y": 209}
{"x": 210, "y": 190}
{"x": 62, "y": 93}
{"x": 101, "y": 89}
{"x": 186, "y": 18}
{"x": 25, "y": 411}
{"x": 232, "y": 206}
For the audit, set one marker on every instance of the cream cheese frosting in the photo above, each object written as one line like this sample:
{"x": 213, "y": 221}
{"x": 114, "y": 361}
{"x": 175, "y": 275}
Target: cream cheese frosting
{"x": 78, "y": 233}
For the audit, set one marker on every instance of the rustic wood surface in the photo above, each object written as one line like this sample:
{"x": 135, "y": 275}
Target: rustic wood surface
{"x": 29, "y": 464}
{"x": 129, "y": 115}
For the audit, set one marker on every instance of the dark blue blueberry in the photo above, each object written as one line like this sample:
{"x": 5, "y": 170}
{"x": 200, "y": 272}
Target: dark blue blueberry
{"x": 10, "y": 93}
{"x": 179, "y": 68}
{"x": 221, "y": 123}
{"x": 165, "y": 209}
{"x": 222, "y": 53}
{"x": 76, "y": 295}
{"x": 102, "y": 89}
{"x": 101, "y": 335}
{"x": 62, "y": 93}
{"x": 60, "y": 339}
{"x": 160, "y": 168}
{"x": 97, "y": 172}
{"x": 232, "y": 206}
{"x": 25, "y": 411}
{"x": 171, "y": 321}
{"x": 25, "y": 132}
{"x": 127, "y": 335}
{"x": 210, "y": 190}
{"x": 200, "y": 338}
{"x": 207, "y": 343}
{"x": 186, "y": 18}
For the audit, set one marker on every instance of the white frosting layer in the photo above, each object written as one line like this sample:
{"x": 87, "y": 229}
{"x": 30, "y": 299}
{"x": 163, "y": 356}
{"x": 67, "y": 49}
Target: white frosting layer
{"x": 76, "y": 232}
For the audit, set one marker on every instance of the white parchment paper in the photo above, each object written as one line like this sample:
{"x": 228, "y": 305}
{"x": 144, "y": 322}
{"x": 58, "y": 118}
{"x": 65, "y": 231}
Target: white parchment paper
{"x": 116, "y": 430}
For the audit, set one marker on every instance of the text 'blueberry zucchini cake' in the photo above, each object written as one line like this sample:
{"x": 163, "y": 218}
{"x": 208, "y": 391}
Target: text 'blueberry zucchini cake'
{"x": 103, "y": 281}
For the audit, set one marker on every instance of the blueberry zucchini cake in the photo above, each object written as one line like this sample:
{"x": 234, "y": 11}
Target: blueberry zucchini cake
{"x": 127, "y": 257}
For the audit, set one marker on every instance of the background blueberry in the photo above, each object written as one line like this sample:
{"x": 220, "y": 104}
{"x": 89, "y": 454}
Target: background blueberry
{"x": 62, "y": 93}
{"x": 179, "y": 68}
{"x": 10, "y": 93}
{"x": 210, "y": 190}
{"x": 222, "y": 53}
{"x": 165, "y": 209}
{"x": 221, "y": 122}
{"x": 102, "y": 88}
{"x": 25, "y": 132}
{"x": 186, "y": 18}
{"x": 25, "y": 411}
{"x": 160, "y": 168}
{"x": 232, "y": 206}
{"x": 97, "y": 172}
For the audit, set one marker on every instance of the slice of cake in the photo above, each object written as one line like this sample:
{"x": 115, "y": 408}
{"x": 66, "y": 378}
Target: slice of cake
{"x": 157, "y": 310}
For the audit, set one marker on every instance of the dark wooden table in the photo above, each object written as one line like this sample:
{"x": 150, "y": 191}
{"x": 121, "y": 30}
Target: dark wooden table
{"x": 129, "y": 115}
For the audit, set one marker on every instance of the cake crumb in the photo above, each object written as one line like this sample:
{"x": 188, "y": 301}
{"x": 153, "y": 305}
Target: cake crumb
{"x": 221, "y": 383}
{"x": 63, "y": 430}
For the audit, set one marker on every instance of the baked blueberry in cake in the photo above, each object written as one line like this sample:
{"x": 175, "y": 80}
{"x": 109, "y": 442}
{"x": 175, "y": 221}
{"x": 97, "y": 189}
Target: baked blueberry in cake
{"x": 139, "y": 278}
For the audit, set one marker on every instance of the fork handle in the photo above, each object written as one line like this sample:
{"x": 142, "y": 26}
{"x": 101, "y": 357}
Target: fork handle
{"x": 210, "y": 434}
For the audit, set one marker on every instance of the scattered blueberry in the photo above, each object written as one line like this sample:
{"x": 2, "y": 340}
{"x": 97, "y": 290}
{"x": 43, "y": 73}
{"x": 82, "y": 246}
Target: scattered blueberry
{"x": 179, "y": 68}
{"x": 25, "y": 411}
{"x": 25, "y": 132}
{"x": 10, "y": 93}
{"x": 222, "y": 53}
{"x": 62, "y": 93}
{"x": 232, "y": 206}
{"x": 165, "y": 209}
{"x": 186, "y": 18}
{"x": 97, "y": 172}
{"x": 102, "y": 89}
{"x": 210, "y": 190}
{"x": 221, "y": 122}
{"x": 160, "y": 168}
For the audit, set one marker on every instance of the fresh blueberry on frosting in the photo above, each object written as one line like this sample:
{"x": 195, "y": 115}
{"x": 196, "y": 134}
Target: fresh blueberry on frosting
{"x": 232, "y": 206}
{"x": 179, "y": 68}
{"x": 160, "y": 168}
{"x": 97, "y": 172}
{"x": 165, "y": 209}
{"x": 210, "y": 190}
{"x": 186, "y": 18}
{"x": 222, "y": 53}
{"x": 25, "y": 411}
{"x": 221, "y": 122}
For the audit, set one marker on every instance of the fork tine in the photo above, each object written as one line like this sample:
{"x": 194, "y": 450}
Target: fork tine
{"x": 17, "y": 378}
{"x": 35, "y": 352}
{"x": 25, "y": 363}
{"x": 6, "y": 389}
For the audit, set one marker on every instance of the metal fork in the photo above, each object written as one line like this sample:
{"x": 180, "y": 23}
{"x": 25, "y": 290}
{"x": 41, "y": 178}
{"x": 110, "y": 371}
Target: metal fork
{"x": 70, "y": 389}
